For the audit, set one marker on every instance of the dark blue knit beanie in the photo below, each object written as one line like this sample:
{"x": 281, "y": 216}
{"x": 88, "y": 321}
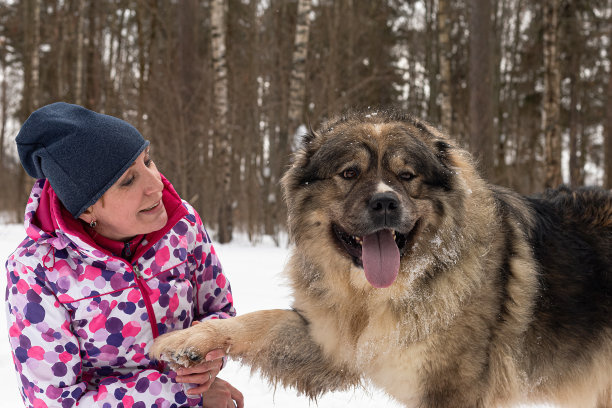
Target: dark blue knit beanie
{"x": 82, "y": 153}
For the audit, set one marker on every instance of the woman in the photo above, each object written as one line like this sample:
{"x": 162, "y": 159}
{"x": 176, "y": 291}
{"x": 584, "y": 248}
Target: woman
{"x": 112, "y": 259}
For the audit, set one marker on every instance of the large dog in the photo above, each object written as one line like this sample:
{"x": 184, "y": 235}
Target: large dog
{"x": 409, "y": 271}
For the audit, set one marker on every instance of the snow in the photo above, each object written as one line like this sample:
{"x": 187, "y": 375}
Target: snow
{"x": 255, "y": 275}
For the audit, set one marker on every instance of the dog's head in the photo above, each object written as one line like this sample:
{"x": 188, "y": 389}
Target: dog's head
{"x": 370, "y": 183}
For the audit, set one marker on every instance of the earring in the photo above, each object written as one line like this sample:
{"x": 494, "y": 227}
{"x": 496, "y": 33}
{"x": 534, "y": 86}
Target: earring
{"x": 93, "y": 223}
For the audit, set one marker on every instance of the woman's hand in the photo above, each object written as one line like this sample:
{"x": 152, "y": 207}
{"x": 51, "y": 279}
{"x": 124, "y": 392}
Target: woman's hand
{"x": 203, "y": 374}
{"x": 222, "y": 394}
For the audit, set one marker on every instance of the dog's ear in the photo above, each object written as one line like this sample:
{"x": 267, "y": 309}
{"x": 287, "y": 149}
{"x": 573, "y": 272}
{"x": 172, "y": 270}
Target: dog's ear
{"x": 302, "y": 138}
{"x": 442, "y": 151}
{"x": 308, "y": 138}
{"x": 307, "y": 143}
{"x": 301, "y": 157}
{"x": 303, "y": 146}
{"x": 442, "y": 146}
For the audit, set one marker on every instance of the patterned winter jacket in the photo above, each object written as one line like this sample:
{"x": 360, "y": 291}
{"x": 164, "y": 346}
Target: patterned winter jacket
{"x": 81, "y": 319}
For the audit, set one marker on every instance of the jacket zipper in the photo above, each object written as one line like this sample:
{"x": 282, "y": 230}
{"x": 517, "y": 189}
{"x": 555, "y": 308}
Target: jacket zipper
{"x": 147, "y": 300}
{"x": 127, "y": 251}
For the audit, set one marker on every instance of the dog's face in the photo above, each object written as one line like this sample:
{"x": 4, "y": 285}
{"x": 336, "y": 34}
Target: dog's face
{"x": 370, "y": 184}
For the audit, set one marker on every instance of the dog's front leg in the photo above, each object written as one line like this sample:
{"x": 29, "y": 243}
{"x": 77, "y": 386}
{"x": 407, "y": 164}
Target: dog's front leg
{"x": 275, "y": 342}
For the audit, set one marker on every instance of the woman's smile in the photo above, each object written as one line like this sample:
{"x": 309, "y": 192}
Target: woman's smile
{"x": 154, "y": 209}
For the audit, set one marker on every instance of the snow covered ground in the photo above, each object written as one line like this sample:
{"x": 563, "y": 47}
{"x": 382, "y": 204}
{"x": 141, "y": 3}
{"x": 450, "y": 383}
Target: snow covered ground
{"x": 254, "y": 272}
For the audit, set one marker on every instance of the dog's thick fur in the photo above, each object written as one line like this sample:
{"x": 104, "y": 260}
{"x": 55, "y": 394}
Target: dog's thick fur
{"x": 499, "y": 298}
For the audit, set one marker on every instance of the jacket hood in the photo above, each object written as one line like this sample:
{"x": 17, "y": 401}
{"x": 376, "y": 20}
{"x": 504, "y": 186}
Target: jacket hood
{"x": 47, "y": 221}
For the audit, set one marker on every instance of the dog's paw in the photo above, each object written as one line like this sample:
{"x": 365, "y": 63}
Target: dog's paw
{"x": 188, "y": 347}
{"x": 183, "y": 357}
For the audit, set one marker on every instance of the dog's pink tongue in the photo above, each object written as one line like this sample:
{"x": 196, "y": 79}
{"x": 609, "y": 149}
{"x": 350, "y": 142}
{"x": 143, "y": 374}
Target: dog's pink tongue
{"x": 381, "y": 258}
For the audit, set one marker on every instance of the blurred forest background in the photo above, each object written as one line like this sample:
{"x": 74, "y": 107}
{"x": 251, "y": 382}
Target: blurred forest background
{"x": 223, "y": 87}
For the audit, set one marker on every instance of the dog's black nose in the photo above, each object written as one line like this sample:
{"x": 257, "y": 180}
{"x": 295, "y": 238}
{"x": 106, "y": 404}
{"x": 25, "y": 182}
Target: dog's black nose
{"x": 384, "y": 202}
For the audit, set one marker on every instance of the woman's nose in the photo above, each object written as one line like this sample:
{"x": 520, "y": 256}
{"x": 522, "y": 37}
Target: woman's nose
{"x": 153, "y": 181}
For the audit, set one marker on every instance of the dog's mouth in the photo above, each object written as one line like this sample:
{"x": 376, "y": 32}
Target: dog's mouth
{"x": 378, "y": 253}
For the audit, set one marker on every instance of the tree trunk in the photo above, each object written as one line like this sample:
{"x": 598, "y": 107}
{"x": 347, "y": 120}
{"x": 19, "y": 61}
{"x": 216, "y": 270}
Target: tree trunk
{"x": 31, "y": 21}
{"x": 551, "y": 108}
{"x": 222, "y": 136}
{"x": 144, "y": 13}
{"x": 3, "y": 108}
{"x": 275, "y": 131}
{"x": 575, "y": 169}
{"x": 297, "y": 87}
{"x": 431, "y": 61}
{"x": 94, "y": 60}
{"x": 572, "y": 33}
{"x": 140, "y": 11}
{"x": 513, "y": 132}
{"x": 60, "y": 43}
{"x": 36, "y": 55}
{"x": 117, "y": 69}
{"x": 480, "y": 76}
{"x": 608, "y": 134}
{"x": 500, "y": 13}
{"x": 80, "y": 54}
{"x": 31, "y": 66}
{"x": 444, "y": 28}
{"x": 185, "y": 137}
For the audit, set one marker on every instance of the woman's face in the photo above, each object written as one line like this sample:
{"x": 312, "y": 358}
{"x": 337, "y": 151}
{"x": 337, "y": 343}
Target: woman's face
{"x": 133, "y": 205}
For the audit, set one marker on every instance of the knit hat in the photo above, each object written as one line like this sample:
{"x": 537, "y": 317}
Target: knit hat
{"x": 82, "y": 153}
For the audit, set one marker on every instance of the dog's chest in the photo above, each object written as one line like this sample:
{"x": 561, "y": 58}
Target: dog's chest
{"x": 393, "y": 366}
{"x": 378, "y": 353}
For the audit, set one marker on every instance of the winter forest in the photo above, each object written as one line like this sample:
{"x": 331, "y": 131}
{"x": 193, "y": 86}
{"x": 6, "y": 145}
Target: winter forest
{"x": 224, "y": 88}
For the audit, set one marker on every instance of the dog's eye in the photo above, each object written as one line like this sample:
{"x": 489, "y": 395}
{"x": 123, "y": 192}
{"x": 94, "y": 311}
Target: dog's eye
{"x": 406, "y": 176}
{"x": 349, "y": 174}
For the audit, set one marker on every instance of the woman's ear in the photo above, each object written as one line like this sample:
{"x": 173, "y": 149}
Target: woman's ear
{"x": 88, "y": 215}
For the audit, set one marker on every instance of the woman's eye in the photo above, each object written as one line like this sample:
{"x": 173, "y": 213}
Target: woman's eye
{"x": 127, "y": 182}
{"x": 349, "y": 174}
{"x": 148, "y": 162}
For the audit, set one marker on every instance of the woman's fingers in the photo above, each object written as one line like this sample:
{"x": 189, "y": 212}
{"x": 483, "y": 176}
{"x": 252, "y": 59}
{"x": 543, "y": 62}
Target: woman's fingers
{"x": 214, "y": 365}
{"x": 222, "y": 395}
{"x": 236, "y": 396}
{"x": 200, "y": 389}
{"x": 202, "y": 381}
{"x": 215, "y": 354}
{"x": 202, "y": 375}
{"x": 199, "y": 379}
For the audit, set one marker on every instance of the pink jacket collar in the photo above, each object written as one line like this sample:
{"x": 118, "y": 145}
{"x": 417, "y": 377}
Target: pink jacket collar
{"x": 52, "y": 217}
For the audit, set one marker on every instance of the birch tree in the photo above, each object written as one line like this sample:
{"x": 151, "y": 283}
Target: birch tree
{"x": 608, "y": 134}
{"x": 297, "y": 87}
{"x": 3, "y": 106}
{"x": 222, "y": 135}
